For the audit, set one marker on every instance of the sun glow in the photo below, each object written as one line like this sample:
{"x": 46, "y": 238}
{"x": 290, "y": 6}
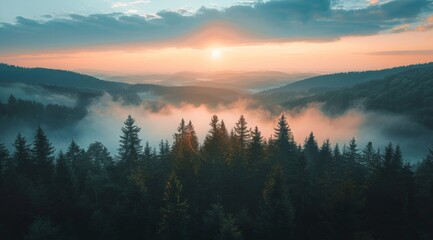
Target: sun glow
{"x": 216, "y": 53}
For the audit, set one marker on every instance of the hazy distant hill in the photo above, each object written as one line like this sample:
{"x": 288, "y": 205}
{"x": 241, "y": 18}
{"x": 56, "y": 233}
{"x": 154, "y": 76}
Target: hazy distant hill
{"x": 341, "y": 80}
{"x": 253, "y": 81}
{"x": 61, "y": 78}
{"x": 70, "y": 82}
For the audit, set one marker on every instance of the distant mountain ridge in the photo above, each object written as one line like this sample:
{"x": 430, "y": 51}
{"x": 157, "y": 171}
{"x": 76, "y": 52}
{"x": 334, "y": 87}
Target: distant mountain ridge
{"x": 67, "y": 81}
{"x": 409, "y": 93}
{"x": 341, "y": 80}
{"x": 61, "y": 78}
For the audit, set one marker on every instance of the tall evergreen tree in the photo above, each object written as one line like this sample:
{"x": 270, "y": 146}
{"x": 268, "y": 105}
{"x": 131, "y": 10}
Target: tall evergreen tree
{"x": 242, "y": 137}
{"x": 98, "y": 156}
{"x": 66, "y": 189}
{"x": 216, "y": 141}
{"x": 76, "y": 157}
{"x": 42, "y": 152}
{"x": 277, "y": 213}
{"x": 337, "y": 153}
{"x": 285, "y": 145}
{"x": 4, "y": 159}
{"x": 185, "y": 147}
{"x": 424, "y": 183}
{"x": 22, "y": 157}
{"x": 311, "y": 153}
{"x": 130, "y": 144}
{"x": 174, "y": 213}
{"x": 389, "y": 200}
{"x": 219, "y": 225}
{"x": 351, "y": 155}
{"x": 255, "y": 149}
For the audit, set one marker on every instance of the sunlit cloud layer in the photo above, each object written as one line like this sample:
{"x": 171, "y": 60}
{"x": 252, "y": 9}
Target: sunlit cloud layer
{"x": 262, "y": 22}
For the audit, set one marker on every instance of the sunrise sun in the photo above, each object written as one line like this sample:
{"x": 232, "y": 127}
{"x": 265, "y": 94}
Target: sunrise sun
{"x": 216, "y": 53}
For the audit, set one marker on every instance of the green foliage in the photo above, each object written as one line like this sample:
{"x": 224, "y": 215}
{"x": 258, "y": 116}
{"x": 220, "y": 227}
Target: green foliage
{"x": 220, "y": 225}
{"x": 130, "y": 148}
{"x": 277, "y": 214}
{"x": 278, "y": 190}
{"x": 42, "y": 154}
{"x": 42, "y": 229}
{"x": 174, "y": 213}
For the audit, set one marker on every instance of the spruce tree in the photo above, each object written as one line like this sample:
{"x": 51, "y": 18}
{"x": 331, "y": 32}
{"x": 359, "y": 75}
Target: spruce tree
{"x": 22, "y": 159}
{"x": 42, "y": 153}
{"x": 255, "y": 149}
{"x": 424, "y": 197}
{"x": 311, "y": 153}
{"x": 277, "y": 213}
{"x": 185, "y": 147}
{"x": 76, "y": 157}
{"x": 98, "y": 157}
{"x": 174, "y": 213}
{"x": 352, "y": 155}
{"x": 130, "y": 147}
{"x": 284, "y": 142}
{"x": 4, "y": 159}
{"x": 242, "y": 137}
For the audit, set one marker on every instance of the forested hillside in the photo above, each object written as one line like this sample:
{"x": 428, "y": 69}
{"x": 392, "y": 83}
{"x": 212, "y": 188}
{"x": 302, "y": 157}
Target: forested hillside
{"x": 234, "y": 185}
{"x": 409, "y": 93}
{"x": 85, "y": 87}
{"x": 343, "y": 79}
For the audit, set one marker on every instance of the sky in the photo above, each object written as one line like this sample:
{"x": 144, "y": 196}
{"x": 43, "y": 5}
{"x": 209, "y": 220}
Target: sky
{"x": 163, "y": 36}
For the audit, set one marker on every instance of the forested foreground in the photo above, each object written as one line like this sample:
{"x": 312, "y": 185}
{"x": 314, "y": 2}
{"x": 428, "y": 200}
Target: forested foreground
{"x": 233, "y": 186}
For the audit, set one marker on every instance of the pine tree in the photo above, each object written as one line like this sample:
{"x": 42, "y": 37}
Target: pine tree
{"x": 242, "y": 137}
{"x": 130, "y": 147}
{"x": 66, "y": 189}
{"x": 369, "y": 158}
{"x": 277, "y": 213}
{"x": 351, "y": 155}
{"x": 220, "y": 225}
{"x": 174, "y": 211}
{"x": 311, "y": 153}
{"x": 424, "y": 183}
{"x": 4, "y": 159}
{"x": 389, "y": 198}
{"x": 64, "y": 177}
{"x": 185, "y": 147}
{"x": 337, "y": 153}
{"x": 255, "y": 149}
{"x": 215, "y": 145}
{"x": 22, "y": 157}
{"x": 147, "y": 153}
{"x": 284, "y": 142}
{"x": 42, "y": 152}
{"x": 98, "y": 157}
{"x": 76, "y": 157}
{"x": 192, "y": 138}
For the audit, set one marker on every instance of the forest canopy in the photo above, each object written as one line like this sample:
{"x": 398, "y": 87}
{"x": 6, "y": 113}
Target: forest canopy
{"x": 234, "y": 185}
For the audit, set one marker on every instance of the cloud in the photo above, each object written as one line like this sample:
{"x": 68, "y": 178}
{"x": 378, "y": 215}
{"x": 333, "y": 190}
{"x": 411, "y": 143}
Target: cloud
{"x": 400, "y": 28}
{"x": 262, "y": 22}
{"x": 404, "y": 52}
{"x": 128, "y": 4}
{"x": 427, "y": 25}
{"x": 159, "y": 120}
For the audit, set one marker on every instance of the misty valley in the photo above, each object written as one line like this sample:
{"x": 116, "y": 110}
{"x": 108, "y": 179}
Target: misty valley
{"x": 336, "y": 156}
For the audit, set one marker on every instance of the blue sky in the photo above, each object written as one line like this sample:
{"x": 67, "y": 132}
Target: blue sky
{"x": 39, "y": 9}
{"x": 10, "y": 9}
{"x": 56, "y": 26}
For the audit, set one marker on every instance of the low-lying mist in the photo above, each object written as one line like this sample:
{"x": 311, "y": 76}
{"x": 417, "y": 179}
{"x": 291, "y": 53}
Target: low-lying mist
{"x": 105, "y": 118}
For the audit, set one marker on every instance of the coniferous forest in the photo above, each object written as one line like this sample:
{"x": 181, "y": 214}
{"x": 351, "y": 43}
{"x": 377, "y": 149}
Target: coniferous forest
{"x": 234, "y": 185}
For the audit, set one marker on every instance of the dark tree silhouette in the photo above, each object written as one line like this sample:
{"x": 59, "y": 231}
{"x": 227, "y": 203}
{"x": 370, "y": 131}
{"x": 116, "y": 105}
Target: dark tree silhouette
{"x": 174, "y": 212}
